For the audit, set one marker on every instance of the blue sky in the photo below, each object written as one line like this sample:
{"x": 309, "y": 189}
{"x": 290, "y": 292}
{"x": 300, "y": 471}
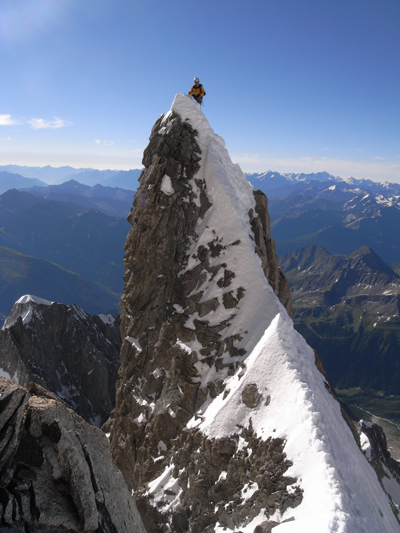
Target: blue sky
{"x": 292, "y": 85}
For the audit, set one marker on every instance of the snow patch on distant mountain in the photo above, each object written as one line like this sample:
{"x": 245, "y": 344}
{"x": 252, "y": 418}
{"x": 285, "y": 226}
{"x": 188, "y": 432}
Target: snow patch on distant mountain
{"x": 24, "y": 308}
{"x": 35, "y": 299}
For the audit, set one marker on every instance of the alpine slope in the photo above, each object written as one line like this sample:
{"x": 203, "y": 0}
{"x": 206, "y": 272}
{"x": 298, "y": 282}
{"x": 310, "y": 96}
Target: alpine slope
{"x": 267, "y": 445}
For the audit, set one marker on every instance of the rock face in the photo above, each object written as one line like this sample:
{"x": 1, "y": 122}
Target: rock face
{"x": 374, "y": 446}
{"x": 56, "y": 472}
{"x": 161, "y": 293}
{"x": 265, "y": 248}
{"x": 65, "y": 350}
{"x": 220, "y": 407}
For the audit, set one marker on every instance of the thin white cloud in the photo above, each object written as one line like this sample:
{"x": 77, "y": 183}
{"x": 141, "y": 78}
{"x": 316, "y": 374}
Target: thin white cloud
{"x": 7, "y": 120}
{"x": 40, "y": 123}
{"x": 105, "y": 143}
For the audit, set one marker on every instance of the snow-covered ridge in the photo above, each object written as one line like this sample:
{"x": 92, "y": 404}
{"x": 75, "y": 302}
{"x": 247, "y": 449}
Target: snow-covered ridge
{"x": 341, "y": 491}
{"x": 228, "y": 221}
{"x": 220, "y": 379}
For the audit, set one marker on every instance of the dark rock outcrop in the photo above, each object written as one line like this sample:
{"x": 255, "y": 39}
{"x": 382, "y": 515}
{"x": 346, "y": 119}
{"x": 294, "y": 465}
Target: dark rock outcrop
{"x": 228, "y": 481}
{"x": 167, "y": 275}
{"x": 56, "y": 473}
{"x": 265, "y": 247}
{"x": 65, "y": 350}
{"x": 373, "y": 441}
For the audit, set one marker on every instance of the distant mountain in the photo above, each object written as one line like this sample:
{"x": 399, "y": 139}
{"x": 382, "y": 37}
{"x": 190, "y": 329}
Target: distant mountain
{"x": 340, "y": 215}
{"x": 275, "y": 181}
{"x": 112, "y": 201}
{"x": 22, "y": 274}
{"x": 318, "y": 278}
{"x": 13, "y": 203}
{"x": 9, "y": 180}
{"x": 348, "y": 310}
{"x": 126, "y": 179}
{"x": 277, "y": 184}
{"x": 50, "y": 175}
{"x": 92, "y": 176}
{"x": 89, "y": 243}
{"x": 71, "y": 353}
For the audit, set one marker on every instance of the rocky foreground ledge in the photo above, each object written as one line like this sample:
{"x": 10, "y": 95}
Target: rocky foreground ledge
{"x": 56, "y": 473}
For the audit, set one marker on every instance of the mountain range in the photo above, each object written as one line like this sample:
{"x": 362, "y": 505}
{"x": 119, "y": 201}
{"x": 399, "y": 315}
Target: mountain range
{"x": 23, "y": 274}
{"x": 305, "y": 209}
{"x": 224, "y": 418}
{"x": 126, "y": 179}
{"x": 347, "y": 308}
{"x": 340, "y": 215}
{"x": 60, "y": 251}
{"x": 113, "y": 201}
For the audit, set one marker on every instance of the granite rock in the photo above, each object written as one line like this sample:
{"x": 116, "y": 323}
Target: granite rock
{"x": 56, "y": 472}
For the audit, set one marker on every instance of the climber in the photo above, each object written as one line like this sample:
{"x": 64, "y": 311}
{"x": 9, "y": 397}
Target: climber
{"x": 197, "y": 91}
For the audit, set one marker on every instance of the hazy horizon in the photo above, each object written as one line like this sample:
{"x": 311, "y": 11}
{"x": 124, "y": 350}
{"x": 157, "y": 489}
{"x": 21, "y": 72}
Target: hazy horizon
{"x": 292, "y": 86}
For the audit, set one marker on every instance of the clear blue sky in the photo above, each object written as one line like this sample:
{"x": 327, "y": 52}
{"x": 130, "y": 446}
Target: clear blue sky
{"x": 292, "y": 85}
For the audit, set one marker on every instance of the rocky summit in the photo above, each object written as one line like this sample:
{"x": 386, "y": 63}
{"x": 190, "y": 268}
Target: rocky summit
{"x": 64, "y": 349}
{"x": 223, "y": 422}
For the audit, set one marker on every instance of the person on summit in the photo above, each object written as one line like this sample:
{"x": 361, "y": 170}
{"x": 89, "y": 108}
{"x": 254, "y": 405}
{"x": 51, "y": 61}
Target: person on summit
{"x": 197, "y": 91}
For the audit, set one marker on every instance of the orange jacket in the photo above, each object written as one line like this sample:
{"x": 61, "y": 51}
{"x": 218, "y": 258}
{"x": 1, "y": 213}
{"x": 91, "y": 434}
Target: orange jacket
{"x": 197, "y": 91}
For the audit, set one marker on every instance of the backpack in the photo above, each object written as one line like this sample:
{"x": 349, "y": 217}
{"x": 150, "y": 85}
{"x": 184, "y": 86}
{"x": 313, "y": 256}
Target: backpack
{"x": 199, "y": 87}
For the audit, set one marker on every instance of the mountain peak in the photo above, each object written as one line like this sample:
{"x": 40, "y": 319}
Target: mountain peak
{"x": 371, "y": 260}
{"x": 228, "y": 424}
{"x": 81, "y": 352}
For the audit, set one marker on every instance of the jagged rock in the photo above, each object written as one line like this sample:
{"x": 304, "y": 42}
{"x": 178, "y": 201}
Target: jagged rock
{"x": 56, "y": 472}
{"x": 250, "y": 395}
{"x": 222, "y": 418}
{"x": 265, "y": 247}
{"x": 266, "y": 526}
{"x": 229, "y": 301}
{"x": 67, "y": 351}
{"x": 374, "y": 445}
{"x": 206, "y": 307}
{"x": 223, "y": 484}
{"x": 165, "y": 284}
